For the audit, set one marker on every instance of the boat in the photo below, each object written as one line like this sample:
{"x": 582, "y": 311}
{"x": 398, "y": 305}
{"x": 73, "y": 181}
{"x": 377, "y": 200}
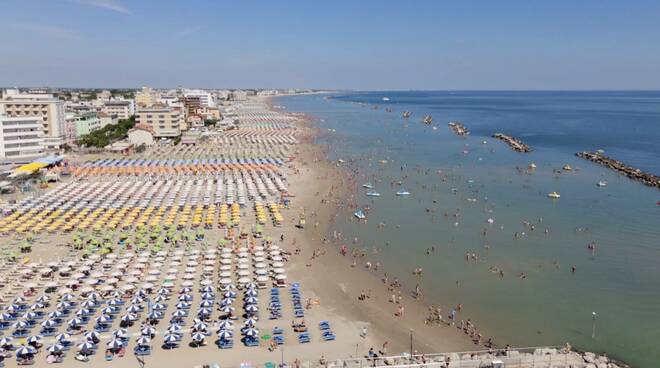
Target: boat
{"x": 532, "y": 166}
{"x": 567, "y": 167}
{"x": 553, "y": 195}
{"x": 373, "y": 193}
{"x": 402, "y": 192}
{"x": 602, "y": 183}
{"x": 360, "y": 215}
{"x": 367, "y": 186}
{"x": 406, "y": 114}
{"x": 386, "y": 98}
{"x": 428, "y": 120}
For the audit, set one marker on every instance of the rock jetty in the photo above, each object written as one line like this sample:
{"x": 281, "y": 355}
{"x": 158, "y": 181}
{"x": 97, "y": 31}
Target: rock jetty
{"x": 459, "y": 128}
{"x": 515, "y": 144}
{"x": 621, "y": 168}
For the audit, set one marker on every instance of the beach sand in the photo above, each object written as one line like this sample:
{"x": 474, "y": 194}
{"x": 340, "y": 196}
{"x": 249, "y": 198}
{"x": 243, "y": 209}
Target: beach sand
{"x": 330, "y": 282}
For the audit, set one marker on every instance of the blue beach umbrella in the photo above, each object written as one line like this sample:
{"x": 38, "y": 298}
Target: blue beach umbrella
{"x": 55, "y": 348}
{"x": 115, "y": 344}
{"x": 225, "y": 334}
{"x": 62, "y": 337}
{"x": 225, "y": 324}
{"x": 25, "y": 350}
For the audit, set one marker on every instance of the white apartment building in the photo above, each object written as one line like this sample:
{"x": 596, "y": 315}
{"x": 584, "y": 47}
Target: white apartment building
{"x": 123, "y": 109}
{"x": 21, "y": 137}
{"x": 164, "y": 121}
{"x": 47, "y": 108}
{"x": 205, "y": 98}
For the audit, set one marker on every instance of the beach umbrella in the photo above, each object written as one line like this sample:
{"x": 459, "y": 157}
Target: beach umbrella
{"x": 86, "y": 346}
{"x": 251, "y": 293}
{"x": 225, "y": 324}
{"x": 55, "y": 314}
{"x": 170, "y": 338}
{"x": 133, "y": 308}
{"x": 66, "y": 297}
{"x": 155, "y": 315}
{"x": 148, "y": 331}
{"x": 120, "y": 333}
{"x": 62, "y": 337}
{"x": 35, "y": 339}
{"x": 92, "y": 335}
{"x": 208, "y": 296}
{"x": 143, "y": 340}
{"x": 179, "y": 313}
{"x": 200, "y": 325}
{"x": 158, "y": 306}
{"x": 74, "y": 322}
{"x": 83, "y": 312}
{"x": 115, "y": 344}
{"x": 48, "y": 323}
{"x": 229, "y": 294}
{"x": 206, "y": 303}
{"x": 19, "y": 325}
{"x": 174, "y": 328}
{"x": 227, "y": 308}
{"x": 204, "y": 312}
{"x": 198, "y": 336}
{"x": 103, "y": 319}
{"x": 19, "y": 300}
{"x": 185, "y": 297}
{"x": 128, "y": 317}
{"x": 25, "y": 350}
{"x": 251, "y": 285}
{"x": 5, "y": 317}
{"x": 250, "y": 322}
{"x": 225, "y": 334}
{"x": 251, "y": 332}
{"x": 107, "y": 310}
{"x": 185, "y": 290}
{"x": 182, "y": 305}
{"x": 12, "y": 308}
{"x": 251, "y": 308}
{"x": 37, "y": 305}
{"x": 251, "y": 300}
{"x": 114, "y": 301}
{"x": 6, "y": 341}
{"x": 55, "y": 348}
{"x": 29, "y": 316}
{"x": 206, "y": 289}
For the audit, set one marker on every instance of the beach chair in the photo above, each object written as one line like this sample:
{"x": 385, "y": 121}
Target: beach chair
{"x": 279, "y": 339}
{"x": 304, "y": 338}
{"x": 324, "y": 325}
{"x": 328, "y": 335}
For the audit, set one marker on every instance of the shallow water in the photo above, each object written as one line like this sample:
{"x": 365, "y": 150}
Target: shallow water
{"x": 552, "y": 305}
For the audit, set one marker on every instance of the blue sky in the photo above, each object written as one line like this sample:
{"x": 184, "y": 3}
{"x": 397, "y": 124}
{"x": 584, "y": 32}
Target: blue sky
{"x": 490, "y": 44}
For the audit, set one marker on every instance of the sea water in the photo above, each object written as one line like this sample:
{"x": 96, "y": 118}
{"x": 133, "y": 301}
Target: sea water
{"x": 458, "y": 184}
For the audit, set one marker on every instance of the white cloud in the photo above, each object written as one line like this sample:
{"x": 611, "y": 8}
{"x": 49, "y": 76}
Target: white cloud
{"x": 43, "y": 30}
{"x": 113, "y": 5}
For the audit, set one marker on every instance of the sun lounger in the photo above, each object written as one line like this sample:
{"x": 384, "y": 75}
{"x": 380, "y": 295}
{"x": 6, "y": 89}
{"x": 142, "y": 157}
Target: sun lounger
{"x": 328, "y": 335}
{"x": 304, "y": 338}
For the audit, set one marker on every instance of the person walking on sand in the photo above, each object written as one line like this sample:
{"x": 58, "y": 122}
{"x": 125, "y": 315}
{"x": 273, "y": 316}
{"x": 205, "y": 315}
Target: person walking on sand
{"x": 363, "y": 332}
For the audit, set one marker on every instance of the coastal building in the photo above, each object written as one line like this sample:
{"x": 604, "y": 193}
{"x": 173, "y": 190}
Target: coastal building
{"x": 141, "y": 135}
{"x": 21, "y": 137}
{"x": 163, "y": 120}
{"x": 205, "y": 98}
{"x": 87, "y": 123}
{"x": 46, "y": 107}
{"x": 104, "y": 95}
{"x": 145, "y": 97}
{"x": 70, "y": 128}
{"x": 192, "y": 105}
{"x": 107, "y": 119}
{"x": 238, "y": 95}
{"x": 123, "y": 109}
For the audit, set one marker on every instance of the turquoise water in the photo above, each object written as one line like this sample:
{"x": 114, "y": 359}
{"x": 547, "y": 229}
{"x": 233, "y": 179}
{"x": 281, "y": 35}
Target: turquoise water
{"x": 477, "y": 181}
